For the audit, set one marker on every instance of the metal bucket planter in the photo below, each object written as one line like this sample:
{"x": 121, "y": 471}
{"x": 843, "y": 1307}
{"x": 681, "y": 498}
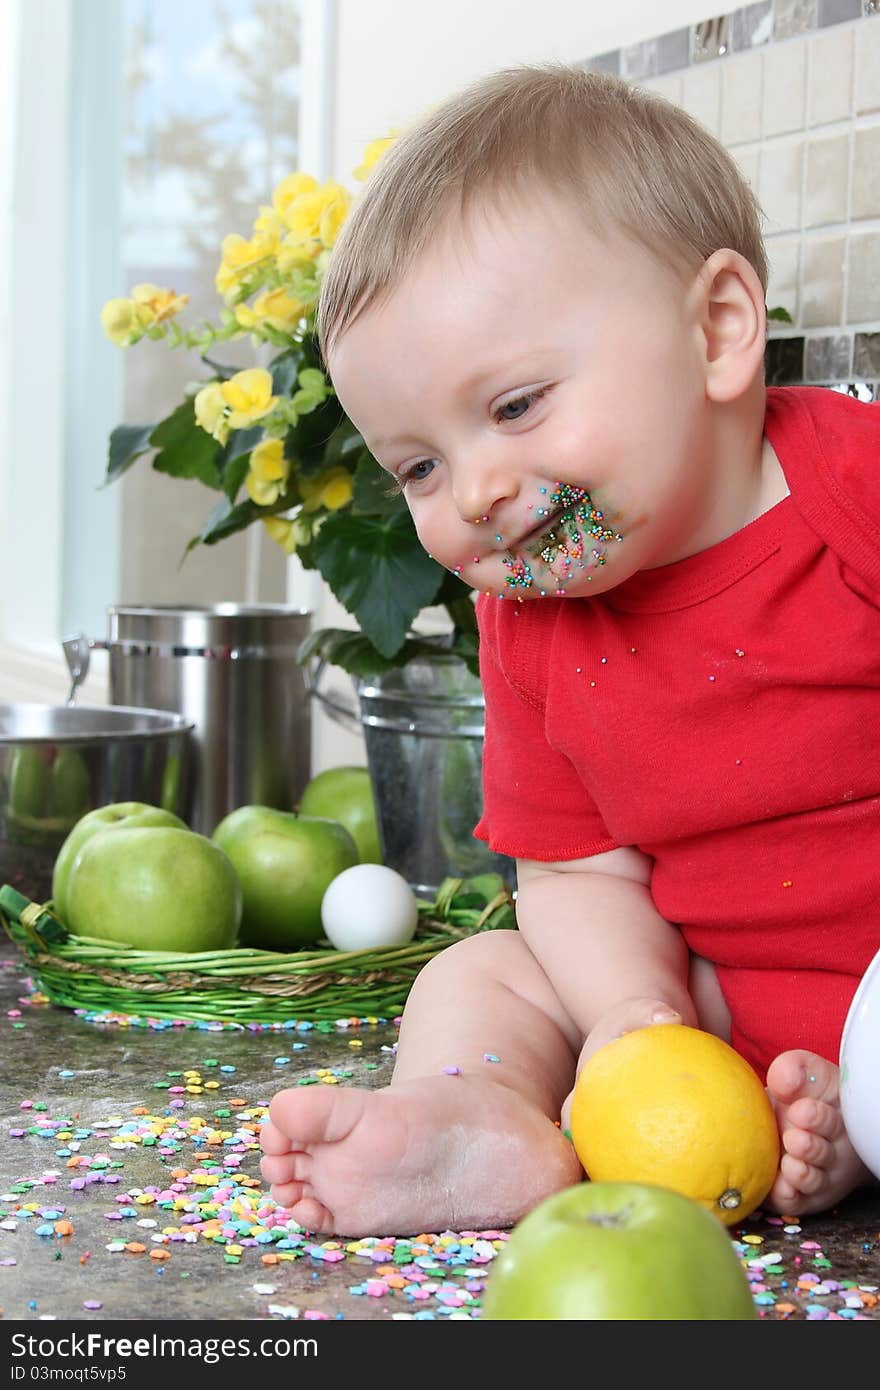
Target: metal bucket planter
{"x": 423, "y": 727}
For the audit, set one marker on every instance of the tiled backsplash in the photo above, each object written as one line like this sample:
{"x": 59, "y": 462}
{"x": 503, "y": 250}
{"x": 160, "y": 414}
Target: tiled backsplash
{"x": 792, "y": 88}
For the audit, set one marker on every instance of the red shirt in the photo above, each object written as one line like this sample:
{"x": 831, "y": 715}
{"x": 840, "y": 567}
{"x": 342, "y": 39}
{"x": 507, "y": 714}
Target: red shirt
{"x": 722, "y": 714}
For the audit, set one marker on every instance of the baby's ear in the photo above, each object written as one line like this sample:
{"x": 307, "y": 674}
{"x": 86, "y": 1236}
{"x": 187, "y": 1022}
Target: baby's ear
{"x": 733, "y": 324}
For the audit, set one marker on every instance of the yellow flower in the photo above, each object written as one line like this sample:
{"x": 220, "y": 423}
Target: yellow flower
{"x": 337, "y": 490}
{"x": 211, "y": 411}
{"x": 249, "y": 397}
{"x": 372, "y": 154}
{"x": 270, "y": 222}
{"x": 331, "y": 490}
{"x": 281, "y": 531}
{"x": 241, "y": 258}
{"x": 156, "y": 305}
{"x": 308, "y": 215}
{"x": 279, "y": 309}
{"x": 267, "y": 474}
{"x": 293, "y": 253}
{"x": 291, "y": 188}
{"x": 120, "y": 321}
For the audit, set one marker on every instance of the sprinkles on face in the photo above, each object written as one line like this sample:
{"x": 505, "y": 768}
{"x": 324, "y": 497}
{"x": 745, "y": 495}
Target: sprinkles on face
{"x": 576, "y": 519}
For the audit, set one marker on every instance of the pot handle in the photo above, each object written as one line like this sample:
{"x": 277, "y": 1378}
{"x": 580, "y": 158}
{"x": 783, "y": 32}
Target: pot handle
{"x": 77, "y": 650}
{"x": 339, "y": 710}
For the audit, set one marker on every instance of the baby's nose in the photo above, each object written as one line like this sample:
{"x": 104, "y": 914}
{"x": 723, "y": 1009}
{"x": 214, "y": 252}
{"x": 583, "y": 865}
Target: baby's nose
{"x": 480, "y": 491}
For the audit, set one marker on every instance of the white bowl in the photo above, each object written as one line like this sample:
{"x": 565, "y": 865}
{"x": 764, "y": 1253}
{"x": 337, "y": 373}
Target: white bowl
{"x": 859, "y": 1060}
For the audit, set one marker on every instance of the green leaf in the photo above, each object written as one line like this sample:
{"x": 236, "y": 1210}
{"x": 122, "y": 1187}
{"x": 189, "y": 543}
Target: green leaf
{"x": 344, "y": 445}
{"x": 234, "y": 458}
{"x": 226, "y": 519}
{"x": 234, "y": 475}
{"x": 285, "y": 370}
{"x": 127, "y": 443}
{"x": 185, "y": 449}
{"x": 779, "y": 315}
{"x": 313, "y": 379}
{"x": 379, "y": 572}
{"x": 308, "y": 441}
{"x": 374, "y": 491}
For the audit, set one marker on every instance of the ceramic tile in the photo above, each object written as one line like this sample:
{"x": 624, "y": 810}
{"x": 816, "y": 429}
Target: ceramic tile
{"x": 866, "y": 355}
{"x": 779, "y": 184}
{"x": 863, "y": 295}
{"x": 827, "y": 181}
{"x": 701, "y": 90}
{"x": 783, "y": 254}
{"x": 831, "y": 67}
{"x": 793, "y": 17}
{"x": 748, "y": 162}
{"x": 785, "y": 88}
{"x": 752, "y": 25}
{"x": 822, "y": 297}
{"x": 711, "y": 38}
{"x": 604, "y": 62}
{"x": 837, "y": 11}
{"x": 673, "y": 50}
{"x": 669, "y": 87}
{"x": 828, "y": 358}
{"x": 866, "y": 173}
{"x": 784, "y": 361}
{"x": 741, "y": 98}
{"x": 867, "y": 38}
{"x": 639, "y": 60}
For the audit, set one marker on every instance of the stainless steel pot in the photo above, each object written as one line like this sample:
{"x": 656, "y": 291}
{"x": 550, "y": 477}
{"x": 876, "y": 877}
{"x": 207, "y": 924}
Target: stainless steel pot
{"x": 59, "y": 761}
{"x": 231, "y": 669}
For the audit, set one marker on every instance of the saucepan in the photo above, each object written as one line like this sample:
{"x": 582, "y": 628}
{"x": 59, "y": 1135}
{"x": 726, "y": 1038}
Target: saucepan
{"x": 59, "y": 761}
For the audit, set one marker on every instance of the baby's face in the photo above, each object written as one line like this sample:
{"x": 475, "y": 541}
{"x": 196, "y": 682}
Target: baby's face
{"x": 539, "y": 396}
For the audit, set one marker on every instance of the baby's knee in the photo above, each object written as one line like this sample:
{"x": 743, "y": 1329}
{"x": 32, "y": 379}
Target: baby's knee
{"x": 494, "y": 953}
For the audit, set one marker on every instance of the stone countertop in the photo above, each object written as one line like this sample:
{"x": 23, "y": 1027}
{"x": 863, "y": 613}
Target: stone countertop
{"x": 89, "y": 1090}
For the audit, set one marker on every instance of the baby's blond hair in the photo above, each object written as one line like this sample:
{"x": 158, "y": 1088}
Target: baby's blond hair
{"x": 628, "y": 159}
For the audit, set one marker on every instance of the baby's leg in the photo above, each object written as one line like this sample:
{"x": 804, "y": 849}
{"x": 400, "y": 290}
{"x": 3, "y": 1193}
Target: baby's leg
{"x": 464, "y": 1137}
{"x": 819, "y": 1166}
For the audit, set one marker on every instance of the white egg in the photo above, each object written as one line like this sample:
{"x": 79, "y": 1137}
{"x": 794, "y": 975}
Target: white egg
{"x": 859, "y": 1051}
{"x": 369, "y": 906}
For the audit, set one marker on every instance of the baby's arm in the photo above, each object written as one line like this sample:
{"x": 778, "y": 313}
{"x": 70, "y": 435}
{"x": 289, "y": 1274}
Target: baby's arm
{"x": 614, "y": 962}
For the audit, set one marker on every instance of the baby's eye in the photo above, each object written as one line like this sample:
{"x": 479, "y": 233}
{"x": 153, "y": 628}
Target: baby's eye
{"x": 519, "y": 406}
{"x": 419, "y": 471}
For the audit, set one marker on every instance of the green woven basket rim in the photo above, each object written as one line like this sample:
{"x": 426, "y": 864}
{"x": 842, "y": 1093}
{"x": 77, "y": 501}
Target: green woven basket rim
{"x": 242, "y": 984}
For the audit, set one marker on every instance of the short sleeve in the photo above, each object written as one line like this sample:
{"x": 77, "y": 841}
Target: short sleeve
{"x": 535, "y": 805}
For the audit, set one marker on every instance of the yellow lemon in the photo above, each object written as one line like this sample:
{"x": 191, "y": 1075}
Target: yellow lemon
{"x": 677, "y": 1107}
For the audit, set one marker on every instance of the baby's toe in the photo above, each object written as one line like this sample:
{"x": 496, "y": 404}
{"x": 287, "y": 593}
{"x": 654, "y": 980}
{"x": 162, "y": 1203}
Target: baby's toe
{"x": 803, "y": 1177}
{"x": 272, "y": 1141}
{"x": 287, "y": 1194}
{"x": 311, "y": 1214}
{"x": 808, "y": 1146}
{"x": 277, "y": 1168}
{"x": 816, "y": 1116}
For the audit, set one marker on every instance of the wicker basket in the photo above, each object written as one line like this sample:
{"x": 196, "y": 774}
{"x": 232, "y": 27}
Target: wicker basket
{"x": 246, "y": 986}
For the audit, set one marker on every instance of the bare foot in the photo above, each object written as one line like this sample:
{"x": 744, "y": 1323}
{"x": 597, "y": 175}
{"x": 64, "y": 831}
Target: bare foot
{"x": 819, "y": 1166}
{"x": 433, "y": 1154}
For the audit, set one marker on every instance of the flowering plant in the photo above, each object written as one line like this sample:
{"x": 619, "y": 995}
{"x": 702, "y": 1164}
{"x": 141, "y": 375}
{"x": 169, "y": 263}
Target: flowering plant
{"x": 276, "y": 445}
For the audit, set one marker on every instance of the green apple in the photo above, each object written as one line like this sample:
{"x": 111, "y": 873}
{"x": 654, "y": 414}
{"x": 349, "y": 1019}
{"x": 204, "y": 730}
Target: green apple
{"x": 157, "y": 888}
{"x": 345, "y": 794}
{"x": 68, "y": 795}
{"x": 608, "y": 1251}
{"x": 116, "y": 815}
{"x": 284, "y": 863}
{"x": 28, "y": 782}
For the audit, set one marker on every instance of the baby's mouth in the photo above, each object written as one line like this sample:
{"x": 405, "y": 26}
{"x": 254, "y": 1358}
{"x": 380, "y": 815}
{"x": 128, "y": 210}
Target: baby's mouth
{"x": 572, "y": 537}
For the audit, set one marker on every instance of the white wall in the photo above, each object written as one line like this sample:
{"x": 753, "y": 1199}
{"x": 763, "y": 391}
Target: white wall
{"x": 394, "y": 58}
